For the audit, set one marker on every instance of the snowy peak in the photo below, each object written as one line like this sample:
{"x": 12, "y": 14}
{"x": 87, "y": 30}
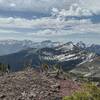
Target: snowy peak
{"x": 81, "y": 45}
{"x": 66, "y": 47}
{"x": 67, "y": 53}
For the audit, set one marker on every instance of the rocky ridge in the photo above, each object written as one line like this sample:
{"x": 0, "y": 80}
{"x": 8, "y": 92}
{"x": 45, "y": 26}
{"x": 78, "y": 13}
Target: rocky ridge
{"x": 30, "y": 84}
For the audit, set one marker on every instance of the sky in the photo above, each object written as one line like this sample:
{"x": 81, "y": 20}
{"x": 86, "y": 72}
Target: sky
{"x": 56, "y": 20}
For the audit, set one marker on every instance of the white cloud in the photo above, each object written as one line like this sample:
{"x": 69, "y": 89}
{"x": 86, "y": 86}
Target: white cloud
{"x": 44, "y": 6}
{"x": 45, "y": 28}
{"x": 12, "y": 4}
{"x": 74, "y": 10}
{"x": 34, "y": 5}
{"x": 50, "y": 24}
{"x": 3, "y": 31}
{"x": 54, "y": 26}
{"x": 93, "y": 5}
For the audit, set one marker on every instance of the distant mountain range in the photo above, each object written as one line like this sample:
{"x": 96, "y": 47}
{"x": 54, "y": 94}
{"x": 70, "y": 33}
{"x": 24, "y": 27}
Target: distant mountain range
{"x": 94, "y": 48}
{"x": 13, "y": 46}
{"x": 68, "y": 55}
{"x": 75, "y": 58}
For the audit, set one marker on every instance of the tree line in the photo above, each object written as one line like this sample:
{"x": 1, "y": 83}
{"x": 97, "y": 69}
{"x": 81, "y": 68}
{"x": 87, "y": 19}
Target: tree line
{"x": 4, "y": 68}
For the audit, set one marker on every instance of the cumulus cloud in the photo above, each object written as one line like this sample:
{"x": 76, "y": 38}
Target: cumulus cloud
{"x": 44, "y": 6}
{"x": 41, "y": 23}
{"x": 61, "y": 23}
{"x": 74, "y": 10}
{"x": 55, "y": 24}
{"x": 45, "y": 28}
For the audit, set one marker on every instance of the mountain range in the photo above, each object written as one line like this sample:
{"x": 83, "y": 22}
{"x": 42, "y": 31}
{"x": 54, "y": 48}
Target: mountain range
{"x": 13, "y": 46}
{"x": 75, "y": 58}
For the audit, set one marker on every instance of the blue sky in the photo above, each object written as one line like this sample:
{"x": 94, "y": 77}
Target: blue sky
{"x": 57, "y": 20}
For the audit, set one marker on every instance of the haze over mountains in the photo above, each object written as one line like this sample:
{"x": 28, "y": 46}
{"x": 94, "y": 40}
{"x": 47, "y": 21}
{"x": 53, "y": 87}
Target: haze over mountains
{"x": 13, "y": 46}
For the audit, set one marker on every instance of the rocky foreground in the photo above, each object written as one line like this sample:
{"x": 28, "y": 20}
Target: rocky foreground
{"x": 30, "y": 84}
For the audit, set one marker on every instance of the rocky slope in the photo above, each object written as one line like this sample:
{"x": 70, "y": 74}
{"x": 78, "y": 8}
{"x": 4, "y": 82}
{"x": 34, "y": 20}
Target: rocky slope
{"x": 89, "y": 69}
{"x": 30, "y": 84}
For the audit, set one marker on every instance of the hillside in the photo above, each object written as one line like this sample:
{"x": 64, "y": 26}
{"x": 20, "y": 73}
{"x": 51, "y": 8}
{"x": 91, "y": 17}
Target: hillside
{"x": 31, "y": 84}
{"x": 89, "y": 69}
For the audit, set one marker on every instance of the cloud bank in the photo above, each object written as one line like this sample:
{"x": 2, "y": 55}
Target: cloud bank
{"x": 69, "y": 18}
{"x": 45, "y": 6}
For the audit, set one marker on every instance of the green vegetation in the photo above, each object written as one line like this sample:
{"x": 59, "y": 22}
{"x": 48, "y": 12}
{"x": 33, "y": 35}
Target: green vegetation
{"x": 45, "y": 67}
{"x": 4, "y": 68}
{"x": 54, "y": 71}
{"x": 88, "y": 92}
